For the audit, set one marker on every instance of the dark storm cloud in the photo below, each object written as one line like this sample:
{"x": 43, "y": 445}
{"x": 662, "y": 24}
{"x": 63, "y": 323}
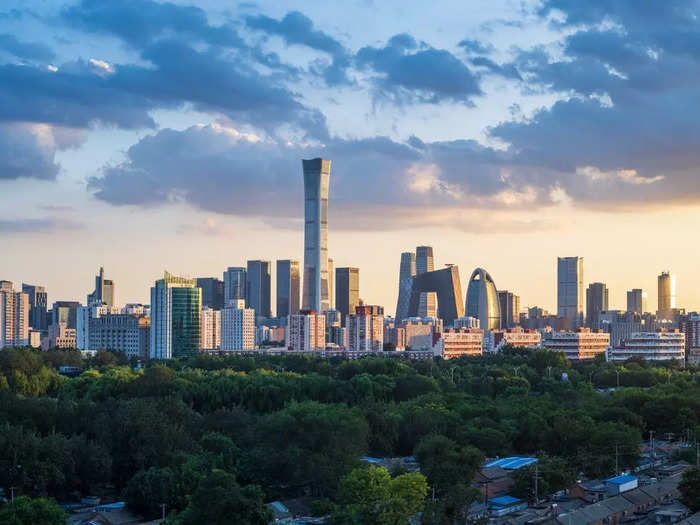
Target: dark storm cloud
{"x": 408, "y": 72}
{"x": 25, "y": 50}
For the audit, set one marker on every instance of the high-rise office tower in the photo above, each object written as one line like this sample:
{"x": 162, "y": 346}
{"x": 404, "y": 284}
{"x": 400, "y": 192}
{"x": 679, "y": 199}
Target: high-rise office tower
{"x": 287, "y": 287}
{"x": 104, "y": 291}
{"x": 596, "y": 302}
{"x": 425, "y": 263}
{"x": 366, "y": 329}
{"x": 258, "y": 296}
{"x": 510, "y": 308}
{"x": 482, "y": 300}
{"x": 667, "y": 292}
{"x": 446, "y": 285}
{"x": 406, "y": 272}
{"x": 331, "y": 289}
{"x": 570, "y": 289}
{"x": 316, "y": 185}
{"x": 347, "y": 291}
{"x": 211, "y": 329}
{"x": 212, "y": 292}
{"x": 38, "y": 307}
{"x": 176, "y": 310}
{"x": 237, "y": 327}
{"x": 637, "y": 301}
{"x": 235, "y": 286}
{"x": 65, "y": 312}
{"x": 14, "y": 316}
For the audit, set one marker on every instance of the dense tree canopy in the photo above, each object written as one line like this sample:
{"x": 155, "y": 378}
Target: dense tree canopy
{"x": 264, "y": 428}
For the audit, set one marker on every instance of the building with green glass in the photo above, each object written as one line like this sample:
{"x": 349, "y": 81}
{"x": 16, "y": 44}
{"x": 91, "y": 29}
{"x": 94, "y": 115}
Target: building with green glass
{"x": 176, "y": 309}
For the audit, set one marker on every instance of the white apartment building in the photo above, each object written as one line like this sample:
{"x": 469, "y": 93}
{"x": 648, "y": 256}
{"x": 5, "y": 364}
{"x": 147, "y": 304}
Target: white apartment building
{"x": 306, "y": 331}
{"x": 211, "y": 329}
{"x": 650, "y": 346}
{"x": 237, "y": 326}
{"x": 581, "y": 344}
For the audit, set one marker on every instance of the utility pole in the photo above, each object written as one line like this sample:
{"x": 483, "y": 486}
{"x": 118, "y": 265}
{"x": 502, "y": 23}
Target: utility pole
{"x": 697, "y": 454}
{"x": 537, "y": 484}
{"x": 162, "y": 506}
{"x": 617, "y": 469}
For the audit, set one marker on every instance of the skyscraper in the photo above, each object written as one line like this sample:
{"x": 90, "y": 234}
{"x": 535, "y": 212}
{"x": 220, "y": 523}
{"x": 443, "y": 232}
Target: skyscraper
{"x": 667, "y": 292}
{"x": 596, "y": 302}
{"x": 211, "y": 329}
{"x": 510, "y": 308}
{"x": 570, "y": 289}
{"x": 316, "y": 185}
{"x": 306, "y": 331}
{"x": 176, "y": 309}
{"x": 406, "y": 272}
{"x": 347, "y": 291}
{"x": 446, "y": 285}
{"x": 258, "y": 296}
{"x": 38, "y": 304}
{"x": 482, "y": 300}
{"x": 287, "y": 287}
{"x": 425, "y": 263}
{"x": 212, "y": 292}
{"x": 104, "y": 291}
{"x": 235, "y": 286}
{"x": 331, "y": 289}
{"x": 14, "y": 316}
{"x": 637, "y": 301}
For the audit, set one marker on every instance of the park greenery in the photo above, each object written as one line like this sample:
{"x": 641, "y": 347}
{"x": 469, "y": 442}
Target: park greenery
{"x": 214, "y": 438}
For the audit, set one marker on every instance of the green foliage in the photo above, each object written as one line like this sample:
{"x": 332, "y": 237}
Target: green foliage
{"x": 297, "y": 425}
{"x": 690, "y": 489}
{"x": 370, "y": 495}
{"x": 220, "y": 499}
{"x": 554, "y": 474}
{"x": 32, "y": 511}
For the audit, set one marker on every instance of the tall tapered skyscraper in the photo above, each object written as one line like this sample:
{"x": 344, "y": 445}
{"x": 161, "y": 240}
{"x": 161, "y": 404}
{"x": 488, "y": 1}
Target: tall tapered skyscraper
{"x": 317, "y": 174}
{"x": 406, "y": 272}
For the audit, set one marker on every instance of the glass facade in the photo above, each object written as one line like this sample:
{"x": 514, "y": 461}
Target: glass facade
{"x": 448, "y": 290}
{"x": 185, "y": 321}
{"x": 482, "y": 300}
{"x": 347, "y": 291}
{"x": 287, "y": 287}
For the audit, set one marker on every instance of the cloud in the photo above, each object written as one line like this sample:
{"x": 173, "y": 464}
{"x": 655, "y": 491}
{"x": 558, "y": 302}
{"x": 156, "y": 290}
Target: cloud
{"x": 296, "y": 28}
{"x": 141, "y": 22}
{"x": 25, "y": 50}
{"x": 476, "y": 47}
{"x": 407, "y": 72}
{"x": 42, "y": 225}
{"x": 28, "y": 150}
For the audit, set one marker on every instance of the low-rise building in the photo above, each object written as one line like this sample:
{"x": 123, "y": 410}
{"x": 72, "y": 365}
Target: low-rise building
{"x": 521, "y": 337}
{"x": 650, "y": 346}
{"x": 419, "y": 332}
{"x": 579, "y": 345}
{"x": 59, "y": 336}
{"x": 459, "y": 342}
{"x": 130, "y": 334}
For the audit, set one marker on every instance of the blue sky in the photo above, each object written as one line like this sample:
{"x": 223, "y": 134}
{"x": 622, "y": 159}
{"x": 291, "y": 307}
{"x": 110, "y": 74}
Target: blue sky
{"x": 144, "y": 135}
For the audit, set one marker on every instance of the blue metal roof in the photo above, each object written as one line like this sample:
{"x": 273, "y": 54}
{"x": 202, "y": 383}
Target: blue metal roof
{"x": 370, "y": 459}
{"x": 620, "y": 480}
{"x": 504, "y": 501}
{"x": 511, "y": 463}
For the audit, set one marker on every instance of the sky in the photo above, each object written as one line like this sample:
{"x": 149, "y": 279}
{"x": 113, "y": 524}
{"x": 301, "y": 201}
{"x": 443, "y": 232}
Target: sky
{"x": 145, "y": 136}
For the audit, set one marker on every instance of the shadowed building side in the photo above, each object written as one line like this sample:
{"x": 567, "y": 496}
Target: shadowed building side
{"x": 446, "y": 285}
{"x": 406, "y": 272}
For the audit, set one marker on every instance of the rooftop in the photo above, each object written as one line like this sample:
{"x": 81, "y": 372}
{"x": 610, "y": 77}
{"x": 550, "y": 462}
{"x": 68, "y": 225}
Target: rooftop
{"x": 511, "y": 463}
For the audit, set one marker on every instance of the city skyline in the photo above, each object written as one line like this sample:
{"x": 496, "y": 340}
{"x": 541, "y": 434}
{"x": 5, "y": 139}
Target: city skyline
{"x": 468, "y": 129}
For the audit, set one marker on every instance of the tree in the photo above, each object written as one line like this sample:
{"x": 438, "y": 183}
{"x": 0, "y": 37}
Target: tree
{"x": 690, "y": 489}
{"x": 28, "y": 511}
{"x": 370, "y": 496}
{"x": 554, "y": 474}
{"x": 220, "y": 499}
